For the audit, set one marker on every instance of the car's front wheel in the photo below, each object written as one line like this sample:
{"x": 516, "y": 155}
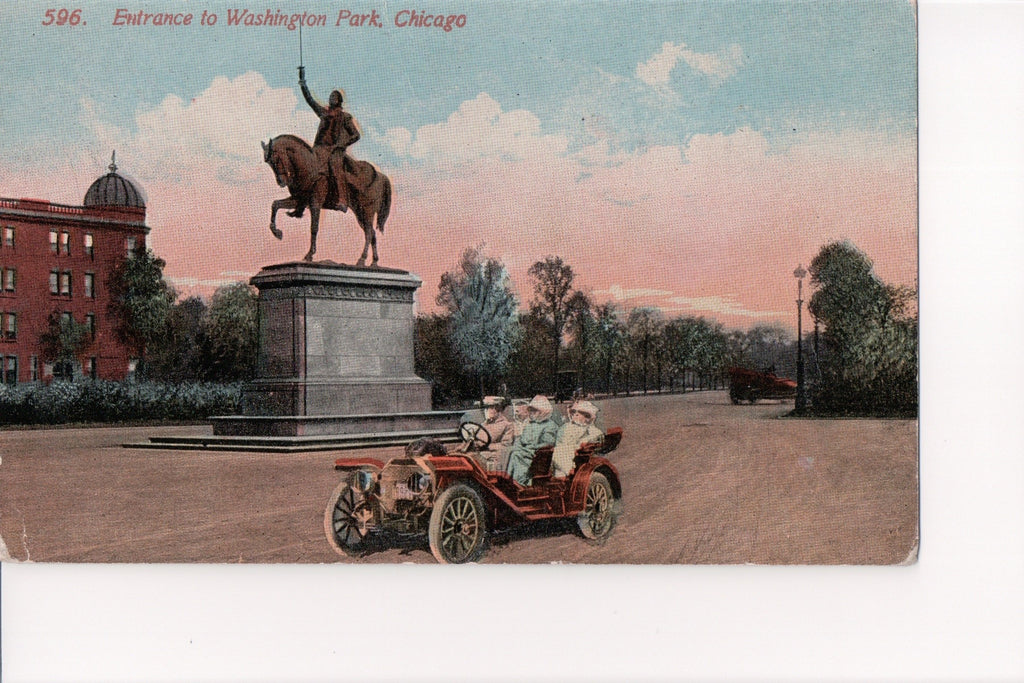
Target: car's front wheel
{"x": 347, "y": 520}
{"x": 458, "y": 525}
{"x": 600, "y": 511}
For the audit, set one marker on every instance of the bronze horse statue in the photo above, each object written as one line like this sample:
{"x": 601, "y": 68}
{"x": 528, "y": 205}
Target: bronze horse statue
{"x": 295, "y": 167}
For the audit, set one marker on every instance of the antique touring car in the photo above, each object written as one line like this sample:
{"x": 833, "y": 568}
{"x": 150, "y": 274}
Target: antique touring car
{"x": 458, "y": 504}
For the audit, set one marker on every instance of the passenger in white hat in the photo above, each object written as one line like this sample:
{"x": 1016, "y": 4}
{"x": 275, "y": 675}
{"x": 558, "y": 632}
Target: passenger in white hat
{"x": 541, "y": 430}
{"x": 580, "y": 429}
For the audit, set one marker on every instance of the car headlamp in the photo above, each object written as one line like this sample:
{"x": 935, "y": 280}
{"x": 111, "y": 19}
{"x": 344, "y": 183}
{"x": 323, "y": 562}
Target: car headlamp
{"x": 418, "y": 482}
{"x": 364, "y": 480}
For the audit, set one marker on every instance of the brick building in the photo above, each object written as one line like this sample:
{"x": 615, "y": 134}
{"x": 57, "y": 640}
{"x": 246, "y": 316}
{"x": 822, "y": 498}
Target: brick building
{"x": 55, "y": 257}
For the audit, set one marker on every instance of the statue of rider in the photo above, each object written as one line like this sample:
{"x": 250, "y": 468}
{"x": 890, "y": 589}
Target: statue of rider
{"x": 338, "y": 129}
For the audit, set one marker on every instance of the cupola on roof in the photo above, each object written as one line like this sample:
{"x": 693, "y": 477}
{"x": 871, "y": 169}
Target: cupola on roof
{"x": 114, "y": 190}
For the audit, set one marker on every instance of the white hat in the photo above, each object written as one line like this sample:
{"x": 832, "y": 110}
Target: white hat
{"x": 493, "y": 402}
{"x": 542, "y": 405}
{"x": 585, "y": 407}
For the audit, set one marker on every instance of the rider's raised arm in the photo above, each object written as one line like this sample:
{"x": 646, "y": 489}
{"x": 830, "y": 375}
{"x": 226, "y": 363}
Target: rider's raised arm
{"x": 317, "y": 108}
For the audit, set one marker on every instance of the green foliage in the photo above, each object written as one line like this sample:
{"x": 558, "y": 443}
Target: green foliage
{"x": 870, "y": 336}
{"x": 105, "y": 401}
{"x": 433, "y": 353}
{"x": 484, "y": 317}
{"x": 177, "y": 355}
{"x": 64, "y": 339}
{"x": 231, "y": 331}
{"x": 216, "y": 343}
{"x": 552, "y": 291}
{"x": 140, "y": 300}
{"x": 644, "y": 345}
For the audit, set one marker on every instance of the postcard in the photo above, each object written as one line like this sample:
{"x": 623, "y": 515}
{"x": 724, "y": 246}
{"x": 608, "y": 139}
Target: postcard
{"x": 518, "y": 283}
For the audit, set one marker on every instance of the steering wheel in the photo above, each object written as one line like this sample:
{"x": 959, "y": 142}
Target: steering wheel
{"x": 475, "y": 435}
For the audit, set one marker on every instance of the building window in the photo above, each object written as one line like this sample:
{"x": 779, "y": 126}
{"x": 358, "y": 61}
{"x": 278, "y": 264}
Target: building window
{"x": 90, "y": 322}
{"x": 88, "y": 244}
{"x": 65, "y": 283}
{"x": 90, "y": 367}
{"x": 133, "y": 365}
{"x": 65, "y": 318}
{"x": 90, "y": 283}
{"x": 33, "y": 368}
{"x": 53, "y": 241}
{"x": 11, "y": 367}
{"x": 9, "y": 236}
{"x": 54, "y": 287}
{"x": 64, "y": 369}
{"x": 11, "y": 330}
{"x": 65, "y": 242}
{"x": 10, "y": 279}
{"x": 130, "y": 245}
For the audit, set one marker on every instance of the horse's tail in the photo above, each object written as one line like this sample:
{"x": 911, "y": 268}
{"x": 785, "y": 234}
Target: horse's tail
{"x": 385, "y": 204}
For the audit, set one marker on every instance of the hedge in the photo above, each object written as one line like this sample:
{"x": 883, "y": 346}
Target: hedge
{"x": 106, "y": 401}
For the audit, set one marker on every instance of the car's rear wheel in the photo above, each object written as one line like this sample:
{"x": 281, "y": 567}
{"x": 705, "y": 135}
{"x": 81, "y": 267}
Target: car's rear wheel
{"x": 600, "y": 511}
{"x": 458, "y": 525}
{"x": 347, "y": 520}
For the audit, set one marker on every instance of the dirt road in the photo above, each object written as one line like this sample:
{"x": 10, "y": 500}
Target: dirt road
{"x": 704, "y": 482}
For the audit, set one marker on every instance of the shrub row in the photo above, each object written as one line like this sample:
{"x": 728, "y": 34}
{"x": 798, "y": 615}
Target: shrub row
{"x": 106, "y": 401}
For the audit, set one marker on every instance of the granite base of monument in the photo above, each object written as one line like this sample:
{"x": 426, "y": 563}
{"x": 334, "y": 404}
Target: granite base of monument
{"x": 335, "y": 362}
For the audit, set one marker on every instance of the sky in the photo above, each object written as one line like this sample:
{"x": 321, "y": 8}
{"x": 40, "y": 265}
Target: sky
{"x": 682, "y": 155}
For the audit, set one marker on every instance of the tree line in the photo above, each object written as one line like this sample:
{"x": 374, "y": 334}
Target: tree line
{"x": 562, "y": 334}
{"x": 861, "y": 357}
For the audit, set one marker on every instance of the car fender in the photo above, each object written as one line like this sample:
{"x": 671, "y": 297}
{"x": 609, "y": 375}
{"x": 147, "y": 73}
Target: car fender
{"x": 451, "y": 469}
{"x": 580, "y": 482}
{"x": 357, "y": 463}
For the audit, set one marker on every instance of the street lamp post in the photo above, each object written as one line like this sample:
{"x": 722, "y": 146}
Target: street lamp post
{"x": 801, "y": 396}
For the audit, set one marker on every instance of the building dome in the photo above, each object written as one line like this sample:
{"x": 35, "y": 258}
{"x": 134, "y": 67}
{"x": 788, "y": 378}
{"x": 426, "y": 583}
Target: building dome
{"x": 114, "y": 190}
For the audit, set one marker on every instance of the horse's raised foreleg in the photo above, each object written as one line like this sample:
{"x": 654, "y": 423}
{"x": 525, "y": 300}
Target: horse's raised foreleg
{"x": 279, "y": 204}
{"x": 314, "y": 227}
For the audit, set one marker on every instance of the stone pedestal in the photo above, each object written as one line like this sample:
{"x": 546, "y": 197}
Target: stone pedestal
{"x": 335, "y": 340}
{"x": 335, "y": 355}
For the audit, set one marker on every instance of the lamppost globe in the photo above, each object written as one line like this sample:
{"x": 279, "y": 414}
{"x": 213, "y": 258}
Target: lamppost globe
{"x": 801, "y": 396}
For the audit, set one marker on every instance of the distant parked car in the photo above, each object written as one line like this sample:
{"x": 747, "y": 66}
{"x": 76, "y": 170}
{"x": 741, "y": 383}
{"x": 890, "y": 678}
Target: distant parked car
{"x": 750, "y": 385}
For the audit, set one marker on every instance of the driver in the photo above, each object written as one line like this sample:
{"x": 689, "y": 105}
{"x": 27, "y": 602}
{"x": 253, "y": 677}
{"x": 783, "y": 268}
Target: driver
{"x": 580, "y": 429}
{"x": 541, "y": 430}
{"x": 495, "y": 456}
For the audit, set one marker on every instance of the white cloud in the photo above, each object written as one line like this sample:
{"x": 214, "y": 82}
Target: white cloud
{"x": 716, "y": 304}
{"x": 657, "y": 70}
{"x": 619, "y": 293}
{"x": 478, "y": 129}
{"x": 215, "y": 133}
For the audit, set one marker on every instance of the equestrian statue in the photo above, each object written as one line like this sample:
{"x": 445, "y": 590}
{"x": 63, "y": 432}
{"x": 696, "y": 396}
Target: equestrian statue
{"x": 324, "y": 176}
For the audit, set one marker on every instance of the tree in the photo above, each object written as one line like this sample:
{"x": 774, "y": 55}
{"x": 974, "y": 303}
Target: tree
{"x": 178, "y": 355}
{"x": 484, "y": 313}
{"x": 609, "y": 335}
{"x": 697, "y": 346}
{"x": 140, "y": 300}
{"x": 63, "y": 341}
{"x": 433, "y": 353}
{"x": 870, "y": 334}
{"x": 643, "y": 329}
{"x": 552, "y": 290}
{"x": 581, "y": 325}
{"x": 231, "y": 332}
